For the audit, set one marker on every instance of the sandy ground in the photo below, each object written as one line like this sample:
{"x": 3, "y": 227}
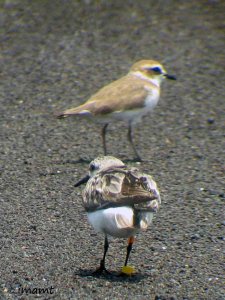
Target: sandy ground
{"x": 55, "y": 54}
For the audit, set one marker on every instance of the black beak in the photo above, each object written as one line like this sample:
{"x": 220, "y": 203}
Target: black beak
{"x": 82, "y": 181}
{"x": 170, "y": 77}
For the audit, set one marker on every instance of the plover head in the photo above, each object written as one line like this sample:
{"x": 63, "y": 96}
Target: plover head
{"x": 150, "y": 70}
{"x": 103, "y": 162}
{"x": 99, "y": 164}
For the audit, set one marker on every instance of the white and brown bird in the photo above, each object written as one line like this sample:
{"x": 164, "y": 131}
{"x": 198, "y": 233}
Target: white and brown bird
{"x": 119, "y": 201}
{"x": 126, "y": 99}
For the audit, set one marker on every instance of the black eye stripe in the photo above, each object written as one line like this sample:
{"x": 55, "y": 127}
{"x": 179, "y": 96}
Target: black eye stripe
{"x": 156, "y": 69}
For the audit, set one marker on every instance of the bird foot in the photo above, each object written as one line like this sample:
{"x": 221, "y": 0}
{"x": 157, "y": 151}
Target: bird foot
{"x": 127, "y": 271}
{"x": 100, "y": 270}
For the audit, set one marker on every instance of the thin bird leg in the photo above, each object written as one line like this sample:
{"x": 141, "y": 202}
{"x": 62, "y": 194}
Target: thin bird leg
{"x": 130, "y": 139}
{"x": 129, "y": 248}
{"x": 102, "y": 268}
{"x": 103, "y": 138}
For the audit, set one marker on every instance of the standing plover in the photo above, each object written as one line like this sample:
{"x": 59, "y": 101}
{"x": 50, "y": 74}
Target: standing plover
{"x": 127, "y": 99}
{"x": 119, "y": 202}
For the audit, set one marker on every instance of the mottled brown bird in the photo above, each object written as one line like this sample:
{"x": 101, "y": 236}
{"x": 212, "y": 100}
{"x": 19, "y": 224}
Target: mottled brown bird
{"x": 119, "y": 201}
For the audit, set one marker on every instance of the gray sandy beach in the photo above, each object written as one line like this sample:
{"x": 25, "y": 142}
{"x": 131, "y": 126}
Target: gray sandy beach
{"x": 55, "y": 55}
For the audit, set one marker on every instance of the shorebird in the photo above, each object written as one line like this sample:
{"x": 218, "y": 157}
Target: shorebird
{"x": 126, "y": 99}
{"x": 119, "y": 201}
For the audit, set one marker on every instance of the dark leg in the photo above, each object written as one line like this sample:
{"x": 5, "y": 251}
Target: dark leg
{"x": 102, "y": 268}
{"x": 103, "y": 138}
{"x": 129, "y": 248}
{"x": 130, "y": 139}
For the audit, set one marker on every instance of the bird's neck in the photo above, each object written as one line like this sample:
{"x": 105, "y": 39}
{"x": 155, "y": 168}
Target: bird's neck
{"x": 155, "y": 80}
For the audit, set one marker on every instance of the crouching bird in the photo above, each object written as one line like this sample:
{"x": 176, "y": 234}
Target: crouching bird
{"x": 119, "y": 201}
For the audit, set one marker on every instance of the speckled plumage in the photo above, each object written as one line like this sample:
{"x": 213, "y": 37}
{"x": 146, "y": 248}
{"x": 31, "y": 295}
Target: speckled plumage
{"x": 121, "y": 186}
{"x": 114, "y": 185}
{"x": 119, "y": 200}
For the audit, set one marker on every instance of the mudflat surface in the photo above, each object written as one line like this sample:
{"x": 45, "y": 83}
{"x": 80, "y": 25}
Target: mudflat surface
{"x": 54, "y": 55}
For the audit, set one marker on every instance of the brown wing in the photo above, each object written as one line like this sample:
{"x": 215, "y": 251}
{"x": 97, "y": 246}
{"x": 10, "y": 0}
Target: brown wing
{"x": 124, "y": 94}
{"x": 113, "y": 97}
{"x": 121, "y": 187}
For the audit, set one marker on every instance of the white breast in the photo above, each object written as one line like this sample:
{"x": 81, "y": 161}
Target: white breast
{"x": 119, "y": 221}
{"x": 116, "y": 221}
{"x": 152, "y": 99}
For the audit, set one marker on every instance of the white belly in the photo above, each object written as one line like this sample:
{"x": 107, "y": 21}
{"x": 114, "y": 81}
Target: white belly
{"x": 152, "y": 100}
{"x": 116, "y": 221}
{"x": 135, "y": 115}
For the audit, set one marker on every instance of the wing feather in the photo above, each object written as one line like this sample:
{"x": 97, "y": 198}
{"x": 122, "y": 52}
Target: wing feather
{"x": 117, "y": 187}
{"x": 113, "y": 98}
{"x": 119, "y": 91}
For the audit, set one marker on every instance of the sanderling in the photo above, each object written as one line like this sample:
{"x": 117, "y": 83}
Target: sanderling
{"x": 127, "y": 99}
{"x": 119, "y": 201}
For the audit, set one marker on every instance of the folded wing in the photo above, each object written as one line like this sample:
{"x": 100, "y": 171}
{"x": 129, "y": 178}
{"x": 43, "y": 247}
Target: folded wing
{"x": 119, "y": 187}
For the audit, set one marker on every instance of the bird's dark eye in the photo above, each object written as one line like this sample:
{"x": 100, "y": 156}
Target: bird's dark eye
{"x": 157, "y": 70}
{"x": 92, "y": 167}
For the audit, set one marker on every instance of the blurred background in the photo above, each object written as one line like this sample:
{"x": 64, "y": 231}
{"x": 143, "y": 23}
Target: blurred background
{"x": 54, "y": 55}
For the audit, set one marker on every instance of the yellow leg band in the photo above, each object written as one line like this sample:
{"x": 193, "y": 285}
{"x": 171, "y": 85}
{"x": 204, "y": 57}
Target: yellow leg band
{"x": 128, "y": 270}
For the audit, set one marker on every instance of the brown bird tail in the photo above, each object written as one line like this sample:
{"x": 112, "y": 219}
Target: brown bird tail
{"x": 79, "y": 110}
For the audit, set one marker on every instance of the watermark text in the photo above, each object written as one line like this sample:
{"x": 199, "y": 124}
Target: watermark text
{"x": 35, "y": 291}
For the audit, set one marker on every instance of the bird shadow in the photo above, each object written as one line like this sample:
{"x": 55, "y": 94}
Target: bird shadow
{"x": 112, "y": 276}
